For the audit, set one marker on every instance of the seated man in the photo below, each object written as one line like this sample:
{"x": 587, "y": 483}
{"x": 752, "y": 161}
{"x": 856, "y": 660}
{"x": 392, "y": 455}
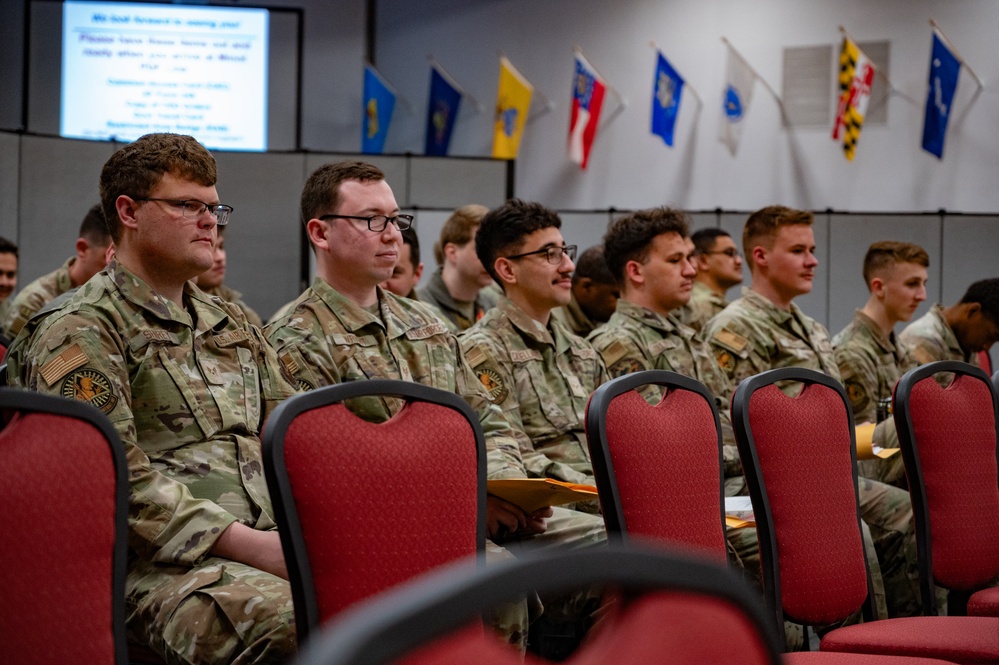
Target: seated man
{"x": 719, "y": 268}
{"x": 764, "y": 330}
{"x": 345, "y": 327}
{"x": 8, "y": 277}
{"x": 870, "y": 358}
{"x": 187, "y": 383}
{"x": 90, "y": 259}
{"x": 594, "y": 294}
{"x": 211, "y": 282}
{"x": 408, "y": 269}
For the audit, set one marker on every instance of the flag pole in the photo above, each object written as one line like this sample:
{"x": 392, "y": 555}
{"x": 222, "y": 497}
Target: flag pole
{"x": 686, "y": 84}
{"x": 762, "y": 80}
{"x": 388, "y": 85}
{"x": 950, "y": 45}
{"x": 450, "y": 79}
{"x": 549, "y": 105}
{"x": 879, "y": 71}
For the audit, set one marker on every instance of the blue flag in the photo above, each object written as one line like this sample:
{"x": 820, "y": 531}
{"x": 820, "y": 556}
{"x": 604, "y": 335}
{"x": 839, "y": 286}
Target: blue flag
{"x": 443, "y": 108}
{"x": 944, "y": 70}
{"x": 666, "y": 90}
{"x": 379, "y": 102}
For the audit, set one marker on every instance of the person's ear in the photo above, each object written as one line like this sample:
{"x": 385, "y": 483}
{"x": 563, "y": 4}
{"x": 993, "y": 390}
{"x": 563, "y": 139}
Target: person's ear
{"x": 318, "y": 231}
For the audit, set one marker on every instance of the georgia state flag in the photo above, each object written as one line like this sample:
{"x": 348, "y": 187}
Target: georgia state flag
{"x": 587, "y": 99}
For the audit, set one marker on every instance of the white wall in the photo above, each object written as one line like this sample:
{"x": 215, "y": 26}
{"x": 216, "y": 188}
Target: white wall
{"x": 630, "y": 168}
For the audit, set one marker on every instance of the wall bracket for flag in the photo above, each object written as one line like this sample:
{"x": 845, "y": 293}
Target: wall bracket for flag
{"x": 960, "y": 58}
{"x": 547, "y": 104}
{"x": 399, "y": 98}
{"x": 879, "y": 71}
{"x": 479, "y": 108}
{"x": 770, "y": 89}
{"x": 686, "y": 83}
{"x": 622, "y": 103}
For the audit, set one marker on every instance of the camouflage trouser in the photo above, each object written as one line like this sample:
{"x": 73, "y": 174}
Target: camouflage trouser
{"x": 887, "y": 510}
{"x": 890, "y": 471}
{"x": 511, "y": 620}
{"x": 218, "y": 612}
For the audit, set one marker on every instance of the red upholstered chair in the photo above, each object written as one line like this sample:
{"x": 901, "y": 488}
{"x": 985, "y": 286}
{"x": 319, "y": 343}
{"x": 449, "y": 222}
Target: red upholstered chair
{"x": 658, "y": 468}
{"x": 672, "y": 610}
{"x": 800, "y": 459}
{"x": 64, "y": 498}
{"x": 363, "y": 506}
{"x": 949, "y": 441}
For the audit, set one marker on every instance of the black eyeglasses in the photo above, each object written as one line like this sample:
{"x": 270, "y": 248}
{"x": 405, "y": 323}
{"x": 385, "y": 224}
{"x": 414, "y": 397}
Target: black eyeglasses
{"x": 553, "y": 254}
{"x": 377, "y": 223}
{"x": 193, "y": 209}
{"x": 731, "y": 252}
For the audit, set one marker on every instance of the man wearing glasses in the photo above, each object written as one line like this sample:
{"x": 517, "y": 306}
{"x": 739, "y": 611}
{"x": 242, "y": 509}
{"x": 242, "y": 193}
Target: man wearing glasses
{"x": 719, "y": 268}
{"x": 187, "y": 384}
{"x": 346, "y": 327}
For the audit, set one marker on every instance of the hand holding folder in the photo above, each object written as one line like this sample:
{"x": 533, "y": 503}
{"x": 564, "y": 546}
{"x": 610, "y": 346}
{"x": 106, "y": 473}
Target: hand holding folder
{"x": 531, "y": 494}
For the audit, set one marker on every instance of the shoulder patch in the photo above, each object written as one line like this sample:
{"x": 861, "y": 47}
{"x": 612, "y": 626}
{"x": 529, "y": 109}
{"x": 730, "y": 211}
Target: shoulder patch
{"x": 734, "y": 342}
{"x": 304, "y": 385}
{"x": 614, "y": 352}
{"x": 493, "y": 383}
{"x": 475, "y": 356}
{"x": 91, "y": 386}
{"x": 725, "y": 360}
{"x": 625, "y": 366}
{"x": 290, "y": 364}
{"x": 858, "y": 396}
{"x": 63, "y": 364}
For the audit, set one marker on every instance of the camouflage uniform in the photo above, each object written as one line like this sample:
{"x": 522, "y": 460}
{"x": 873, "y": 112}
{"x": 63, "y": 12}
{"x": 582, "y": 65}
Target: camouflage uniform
{"x": 753, "y": 335}
{"x": 34, "y": 296}
{"x": 461, "y": 315}
{"x": 574, "y": 318}
{"x": 931, "y": 338}
{"x": 188, "y": 390}
{"x": 870, "y": 364}
{"x": 541, "y": 377}
{"x": 325, "y": 338}
{"x": 236, "y": 298}
{"x": 703, "y": 306}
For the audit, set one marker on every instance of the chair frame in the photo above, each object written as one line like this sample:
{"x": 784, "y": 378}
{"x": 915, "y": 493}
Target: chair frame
{"x": 596, "y": 428}
{"x": 757, "y": 488}
{"x": 957, "y": 600}
{"x": 25, "y": 401}
{"x": 282, "y": 497}
{"x": 448, "y": 599}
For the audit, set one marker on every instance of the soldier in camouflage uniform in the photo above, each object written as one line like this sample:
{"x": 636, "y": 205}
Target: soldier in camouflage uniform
{"x": 187, "y": 383}
{"x": 90, "y": 258}
{"x": 594, "y": 294}
{"x": 347, "y": 328}
{"x": 957, "y": 332}
{"x": 538, "y": 372}
{"x": 719, "y": 268}
{"x": 765, "y": 330}
{"x": 869, "y": 356}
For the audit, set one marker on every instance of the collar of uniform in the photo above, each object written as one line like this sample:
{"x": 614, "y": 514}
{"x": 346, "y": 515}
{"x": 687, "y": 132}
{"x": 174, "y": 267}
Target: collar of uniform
{"x": 702, "y": 290}
{"x": 527, "y": 325}
{"x": 949, "y": 337}
{"x": 760, "y": 301}
{"x": 579, "y": 319}
{"x": 63, "y": 281}
{"x": 887, "y": 344}
{"x": 649, "y": 318}
{"x": 141, "y": 295}
{"x": 224, "y": 292}
{"x": 351, "y": 316}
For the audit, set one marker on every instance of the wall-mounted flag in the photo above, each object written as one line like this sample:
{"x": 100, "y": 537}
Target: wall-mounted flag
{"x": 667, "y": 88}
{"x": 513, "y": 99}
{"x": 588, "y": 90}
{"x": 441, "y": 113}
{"x": 379, "y": 102}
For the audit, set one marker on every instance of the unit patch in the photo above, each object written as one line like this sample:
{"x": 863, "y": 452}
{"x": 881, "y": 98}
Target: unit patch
{"x": 726, "y": 361}
{"x": 89, "y": 385}
{"x": 493, "y": 383}
{"x": 858, "y": 396}
{"x": 625, "y": 366}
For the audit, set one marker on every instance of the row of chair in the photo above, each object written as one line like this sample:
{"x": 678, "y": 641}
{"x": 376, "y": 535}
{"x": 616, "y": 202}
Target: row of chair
{"x": 363, "y": 507}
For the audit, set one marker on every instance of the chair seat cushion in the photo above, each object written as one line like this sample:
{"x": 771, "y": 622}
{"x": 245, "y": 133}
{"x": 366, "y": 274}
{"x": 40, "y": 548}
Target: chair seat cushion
{"x": 969, "y": 640}
{"x": 830, "y": 658}
{"x": 984, "y": 603}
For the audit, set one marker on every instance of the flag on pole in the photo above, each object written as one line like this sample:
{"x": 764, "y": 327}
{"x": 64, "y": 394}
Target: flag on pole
{"x": 588, "y": 91}
{"x": 945, "y": 68}
{"x": 856, "y": 76}
{"x": 667, "y": 87}
{"x": 379, "y": 102}
{"x": 441, "y": 113}
{"x": 513, "y": 99}
{"x": 739, "y": 80}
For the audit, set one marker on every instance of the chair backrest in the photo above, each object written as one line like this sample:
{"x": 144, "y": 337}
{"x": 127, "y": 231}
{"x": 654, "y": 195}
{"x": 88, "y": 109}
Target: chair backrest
{"x": 949, "y": 440}
{"x": 64, "y": 498}
{"x": 363, "y": 506}
{"x": 799, "y": 455}
{"x": 692, "y": 612}
{"x": 658, "y": 467}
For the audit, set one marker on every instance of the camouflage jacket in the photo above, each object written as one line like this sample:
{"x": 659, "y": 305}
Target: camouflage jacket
{"x": 753, "y": 335}
{"x": 325, "y": 338}
{"x": 436, "y": 294}
{"x": 542, "y": 378}
{"x": 637, "y": 339}
{"x": 236, "y": 298}
{"x": 34, "y": 296}
{"x": 187, "y": 390}
{"x": 703, "y": 306}
{"x": 574, "y": 318}
{"x": 930, "y": 337}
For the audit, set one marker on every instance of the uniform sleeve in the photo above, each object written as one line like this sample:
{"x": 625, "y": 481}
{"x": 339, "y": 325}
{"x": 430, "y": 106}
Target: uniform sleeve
{"x": 298, "y": 342}
{"x": 276, "y": 382}
{"x": 860, "y": 378}
{"x": 81, "y": 355}
{"x": 736, "y": 350}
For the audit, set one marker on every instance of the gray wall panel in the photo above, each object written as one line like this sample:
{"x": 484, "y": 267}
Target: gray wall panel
{"x": 428, "y": 226}
{"x": 585, "y": 229}
{"x": 10, "y": 155}
{"x": 452, "y": 183}
{"x": 850, "y": 237}
{"x": 970, "y": 251}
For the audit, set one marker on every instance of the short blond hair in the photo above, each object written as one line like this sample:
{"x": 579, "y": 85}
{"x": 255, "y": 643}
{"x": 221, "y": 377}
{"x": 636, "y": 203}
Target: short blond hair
{"x": 459, "y": 229}
{"x": 762, "y": 226}
{"x": 884, "y": 255}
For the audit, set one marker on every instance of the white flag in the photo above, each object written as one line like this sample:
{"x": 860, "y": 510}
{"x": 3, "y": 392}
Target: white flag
{"x": 739, "y": 79}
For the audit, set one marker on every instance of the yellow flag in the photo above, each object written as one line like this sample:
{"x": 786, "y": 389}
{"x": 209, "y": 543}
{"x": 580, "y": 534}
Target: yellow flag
{"x": 513, "y": 100}
{"x": 856, "y": 78}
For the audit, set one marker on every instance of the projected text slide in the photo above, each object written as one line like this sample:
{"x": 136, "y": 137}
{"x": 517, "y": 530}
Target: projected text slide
{"x": 131, "y": 69}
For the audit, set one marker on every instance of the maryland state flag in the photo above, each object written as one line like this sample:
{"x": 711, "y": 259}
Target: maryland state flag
{"x": 441, "y": 113}
{"x": 513, "y": 99}
{"x": 379, "y": 102}
{"x": 856, "y": 76}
